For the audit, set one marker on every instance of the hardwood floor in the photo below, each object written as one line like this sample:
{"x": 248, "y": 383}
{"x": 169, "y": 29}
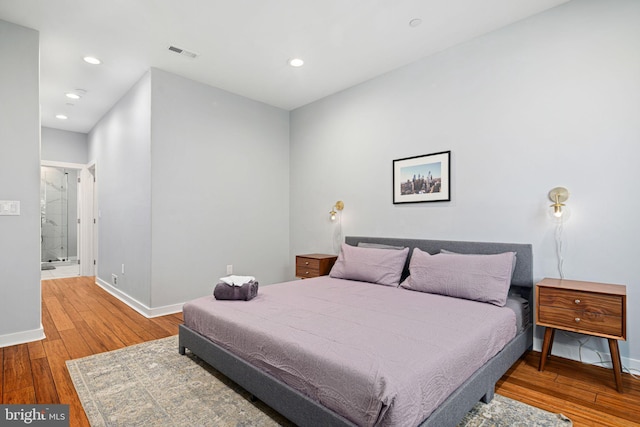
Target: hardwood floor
{"x": 81, "y": 319}
{"x": 584, "y": 393}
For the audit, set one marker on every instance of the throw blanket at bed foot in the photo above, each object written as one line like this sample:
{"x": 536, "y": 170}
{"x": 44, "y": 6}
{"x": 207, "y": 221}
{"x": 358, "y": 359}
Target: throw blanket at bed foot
{"x": 245, "y": 292}
{"x": 151, "y": 384}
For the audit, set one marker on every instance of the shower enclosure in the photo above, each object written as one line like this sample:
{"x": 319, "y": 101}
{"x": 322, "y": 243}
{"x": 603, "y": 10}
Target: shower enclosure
{"x": 59, "y": 215}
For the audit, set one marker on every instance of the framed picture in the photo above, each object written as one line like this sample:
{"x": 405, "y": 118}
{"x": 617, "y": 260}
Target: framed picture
{"x": 423, "y": 178}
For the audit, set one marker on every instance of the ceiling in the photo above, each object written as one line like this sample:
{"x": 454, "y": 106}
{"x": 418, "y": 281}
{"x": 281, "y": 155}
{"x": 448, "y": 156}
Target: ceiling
{"x": 243, "y": 46}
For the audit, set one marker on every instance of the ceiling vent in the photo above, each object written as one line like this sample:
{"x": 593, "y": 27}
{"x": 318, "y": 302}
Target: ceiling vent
{"x": 191, "y": 55}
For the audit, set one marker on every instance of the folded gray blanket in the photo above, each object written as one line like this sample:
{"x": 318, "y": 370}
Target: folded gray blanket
{"x": 246, "y": 292}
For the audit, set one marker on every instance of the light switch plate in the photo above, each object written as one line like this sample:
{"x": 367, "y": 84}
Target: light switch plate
{"x": 9, "y": 207}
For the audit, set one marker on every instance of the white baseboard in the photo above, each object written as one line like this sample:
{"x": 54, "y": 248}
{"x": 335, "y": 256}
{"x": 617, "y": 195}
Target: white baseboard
{"x": 141, "y": 308}
{"x": 22, "y": 337}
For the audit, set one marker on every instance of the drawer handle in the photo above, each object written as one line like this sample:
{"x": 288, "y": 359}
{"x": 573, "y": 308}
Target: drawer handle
{"x": 307, "y": 273}
{"x": 577, "y": 301}
{"x": 577, "y": 320}
{"x": 306, "y": 263}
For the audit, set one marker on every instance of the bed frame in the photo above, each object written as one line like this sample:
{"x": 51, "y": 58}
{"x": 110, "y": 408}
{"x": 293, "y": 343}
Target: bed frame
{"x": 301, "y": 410}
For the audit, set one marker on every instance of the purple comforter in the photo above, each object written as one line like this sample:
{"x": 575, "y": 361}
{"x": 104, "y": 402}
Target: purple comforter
{"x": 377, "y": 355}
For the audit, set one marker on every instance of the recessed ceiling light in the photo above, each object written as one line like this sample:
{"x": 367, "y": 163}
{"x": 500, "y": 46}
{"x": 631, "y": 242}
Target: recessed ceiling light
{"x": 61, "y": 117}
{"x": 91, "y": 60}
{"x": 296, "y": 62}
{"x": 72, "y": 95}
{"x": 415, "y": 22}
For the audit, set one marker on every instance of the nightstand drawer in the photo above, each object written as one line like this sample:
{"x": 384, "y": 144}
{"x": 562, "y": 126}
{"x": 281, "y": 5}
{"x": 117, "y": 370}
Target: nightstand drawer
{"x": 307, "y": 267}
{"x": 307, "y": 272}
{"x": 580, "y": 320}
{"x": 314, "y": 265}
{"x": 610, "y": 305}
{"x": 303, "y": 262}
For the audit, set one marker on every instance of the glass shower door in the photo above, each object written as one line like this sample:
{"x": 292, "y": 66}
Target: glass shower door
{"x": 58, "y": 208}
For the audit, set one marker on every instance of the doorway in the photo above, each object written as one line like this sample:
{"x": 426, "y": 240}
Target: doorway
{"x": 69, "y": 229}
{"x": 67, "y": 192}
{"x": 59, "y": 220}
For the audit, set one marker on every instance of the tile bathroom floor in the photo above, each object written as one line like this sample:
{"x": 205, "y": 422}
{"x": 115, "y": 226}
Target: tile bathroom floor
{"x": 70, "y": 270}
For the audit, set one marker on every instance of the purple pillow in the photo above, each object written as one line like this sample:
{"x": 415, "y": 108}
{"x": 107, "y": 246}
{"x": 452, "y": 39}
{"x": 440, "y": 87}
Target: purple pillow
{"x": 381, "y": 266}
{"x": 484, "y": 278}
{"x": 513, "y": 266}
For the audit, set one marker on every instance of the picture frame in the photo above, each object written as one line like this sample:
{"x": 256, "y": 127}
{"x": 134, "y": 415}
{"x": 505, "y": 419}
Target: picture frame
{"x": 425, "y": 178}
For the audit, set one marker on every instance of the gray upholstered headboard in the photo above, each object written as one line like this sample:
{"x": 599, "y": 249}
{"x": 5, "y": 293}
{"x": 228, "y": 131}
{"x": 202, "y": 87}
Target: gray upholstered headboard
{"x": 522, "y": 276}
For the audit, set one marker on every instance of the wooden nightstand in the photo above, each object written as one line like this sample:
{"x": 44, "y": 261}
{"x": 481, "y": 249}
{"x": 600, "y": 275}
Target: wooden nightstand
{"x": 314, "y": 265}
{"x": 597, "y": 309}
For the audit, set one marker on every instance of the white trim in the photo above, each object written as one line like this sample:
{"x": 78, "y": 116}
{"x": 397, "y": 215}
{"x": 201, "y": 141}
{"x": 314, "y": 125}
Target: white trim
{"x": 95, "y": 218}
{"x": 627, "y": 363}
{"x": 85, "y": 228}
{"x": 137, "y": 305}
{"x": 22, "y": 337}
{"x": 65, "y": 165}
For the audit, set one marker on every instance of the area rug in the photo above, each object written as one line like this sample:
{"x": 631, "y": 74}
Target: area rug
{"x": 150, "y": 384}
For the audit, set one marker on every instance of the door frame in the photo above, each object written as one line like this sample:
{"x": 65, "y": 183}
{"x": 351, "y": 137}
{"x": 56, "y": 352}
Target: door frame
{"x": 85, "y": 214}
{"x": 91, "y": 198}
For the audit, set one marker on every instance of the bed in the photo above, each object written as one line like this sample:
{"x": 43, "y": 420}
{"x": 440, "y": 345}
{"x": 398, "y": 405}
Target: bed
{"x": 299, "y": 399}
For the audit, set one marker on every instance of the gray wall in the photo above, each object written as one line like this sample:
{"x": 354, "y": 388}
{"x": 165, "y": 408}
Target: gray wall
{"x": 552, "y": 100}
{"x": 20, "y": 180}
{"x": 220, "y": 188}
{"x": 120, "y": 144}
{"x": 190, "y": 179}
{"x": 64, "y": 146}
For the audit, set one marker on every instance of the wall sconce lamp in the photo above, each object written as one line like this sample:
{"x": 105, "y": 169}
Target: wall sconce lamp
{"x": 558, "y": 195}
{"x": 337, "y": 207}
